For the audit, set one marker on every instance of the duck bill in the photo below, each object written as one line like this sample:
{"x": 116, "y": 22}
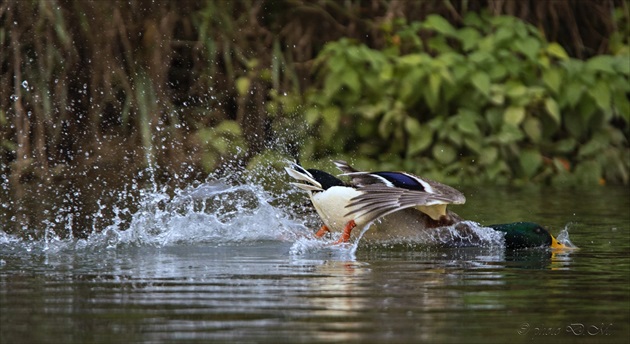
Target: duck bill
{"x": 556, "y": 244}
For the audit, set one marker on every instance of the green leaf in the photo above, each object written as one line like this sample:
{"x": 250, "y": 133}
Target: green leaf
{"x": 601, "y": 94}
{"x": 553, "y": 79}
{"x": 432, "y": 93}
{"x": 386, "y": 73}
{"x": 385, "y": 126}
{"x": 480, "y": 57}
{"x": 621, "y": 64}
{"x": 622, "y": 105}
{"x": 509, "y": 134}
{"x": 595, "y": 145}
{"x": 332, "y": 86}
{"x": 330, "y": 117}
{"x": 417, "y": 59}
{"x": 439, "y": 24}
{"x": 573, "y": 92}
{"x": 467, "y": 122}
{"x": 529, "y": 47}
{"x": 420, "y": 140}
{"x": 469, "y": 38}
{"x": 409, "y": 90}
{"x": 444, "y": 153}
{"x": 515, "y": 90}
{"x": 481, "y": 81}
{"x": 455, "y": 137}
{"x": 514, "y": 115}
{"x": 311, "y": 115}
{"x": 565, "y": 146}
{"x": 412, "y": 125}
{"x": 503, "y": 33}
{"x": 602, "y": 63}
{"x": 530, "y": 160}
{"x": 533, "y": 129}
{"x": 497, "y": 94}
{"x": 555, "y": 49}
{"x": 473, "y": 144}
{"x": 488, "y": 156}
{"x": 242, "y": 85}
{"x": 472, "y": 19}
{"x": 350, "y": 78}
{"x": 553, "y": 110}
{"x": 494, "y": 117}
{"x": 487, "y": 44}
{"x": 497, "y": 72}
{"x": 228, "y": 127}
{"x": 588, "y": 172}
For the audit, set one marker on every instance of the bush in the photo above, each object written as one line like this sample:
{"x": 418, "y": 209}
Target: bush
{"x": 491, "y": 101}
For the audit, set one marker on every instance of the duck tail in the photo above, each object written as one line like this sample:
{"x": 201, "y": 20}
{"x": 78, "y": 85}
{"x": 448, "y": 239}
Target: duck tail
{"x": 344, "y": 167}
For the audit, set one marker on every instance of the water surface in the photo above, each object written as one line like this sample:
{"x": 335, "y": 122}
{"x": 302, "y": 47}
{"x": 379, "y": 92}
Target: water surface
{"x": 220, "y": 262}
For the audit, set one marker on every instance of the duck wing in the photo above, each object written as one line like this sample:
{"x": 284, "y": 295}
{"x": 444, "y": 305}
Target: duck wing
{"x": 377, "y": 200}
{"x": 385, "y": 192}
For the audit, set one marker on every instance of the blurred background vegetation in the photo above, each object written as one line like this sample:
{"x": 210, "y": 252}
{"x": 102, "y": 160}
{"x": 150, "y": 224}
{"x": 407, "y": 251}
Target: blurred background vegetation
{"x": 488, "y": 91}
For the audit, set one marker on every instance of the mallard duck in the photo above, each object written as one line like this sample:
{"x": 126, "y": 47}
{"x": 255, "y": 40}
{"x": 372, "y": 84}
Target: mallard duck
{"x": 371, "y": 195}
{"x": 401, "y": 205}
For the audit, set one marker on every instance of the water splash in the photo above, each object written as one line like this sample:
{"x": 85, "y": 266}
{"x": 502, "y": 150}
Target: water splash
{"x": 238, "y": 210}
{"x": 212, "y": 213}
{"x": 563, "y": 238}
{"x": 216, "y": 212}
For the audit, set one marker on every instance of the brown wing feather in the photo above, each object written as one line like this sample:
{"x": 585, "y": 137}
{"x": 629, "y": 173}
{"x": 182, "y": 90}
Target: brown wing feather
{"x": 377, "y": 200}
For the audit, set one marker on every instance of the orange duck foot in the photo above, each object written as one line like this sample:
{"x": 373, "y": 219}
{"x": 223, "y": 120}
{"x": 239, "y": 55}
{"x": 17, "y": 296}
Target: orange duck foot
{"x": 322, "y": 231}
{"x": 345, "y": 236}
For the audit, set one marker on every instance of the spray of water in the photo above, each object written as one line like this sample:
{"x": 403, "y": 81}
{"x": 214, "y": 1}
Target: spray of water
{"x": 237, "y": 210}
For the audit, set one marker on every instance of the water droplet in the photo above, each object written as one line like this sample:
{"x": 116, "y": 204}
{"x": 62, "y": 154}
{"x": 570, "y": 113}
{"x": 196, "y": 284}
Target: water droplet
{"x": 14, "y": 97}
{"x": 25, "y": 84}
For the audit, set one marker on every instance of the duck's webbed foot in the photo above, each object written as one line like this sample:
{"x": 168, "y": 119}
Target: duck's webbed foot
{"x": 345, "y": 236}
{"x": 322, "y": 231}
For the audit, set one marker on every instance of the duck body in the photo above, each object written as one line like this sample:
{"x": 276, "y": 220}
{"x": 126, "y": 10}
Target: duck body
{"x": 410, "y": 225}
{"x": 371, "y": 195}
{"x": 331, "y": 207}
{"x": 330, "y": 197}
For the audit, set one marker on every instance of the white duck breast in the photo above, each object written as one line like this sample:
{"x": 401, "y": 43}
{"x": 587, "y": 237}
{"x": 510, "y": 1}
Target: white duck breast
{"x": 331, "y": 206}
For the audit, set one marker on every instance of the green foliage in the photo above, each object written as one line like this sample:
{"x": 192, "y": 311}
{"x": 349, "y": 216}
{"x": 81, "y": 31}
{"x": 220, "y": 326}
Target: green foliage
{"x": 490, "y": 101}
{"x": 225, "y": 141}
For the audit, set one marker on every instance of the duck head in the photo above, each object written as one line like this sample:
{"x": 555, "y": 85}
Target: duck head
{"x": 527, "y": 234}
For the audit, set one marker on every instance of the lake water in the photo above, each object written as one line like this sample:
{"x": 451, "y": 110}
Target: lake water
{"x": 226, "y": 262}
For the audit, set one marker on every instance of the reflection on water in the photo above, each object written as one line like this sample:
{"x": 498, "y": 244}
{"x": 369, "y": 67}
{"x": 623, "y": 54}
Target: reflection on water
{"x": 233, "y": 262}
{"x": 259, "y": 291}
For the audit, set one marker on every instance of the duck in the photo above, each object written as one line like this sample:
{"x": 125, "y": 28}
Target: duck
{"x": 400, "y": 205}
{"x": 372, "y": 195}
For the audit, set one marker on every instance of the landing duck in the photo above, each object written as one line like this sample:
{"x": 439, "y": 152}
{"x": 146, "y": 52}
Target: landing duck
{"x": 400, "y": 205}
